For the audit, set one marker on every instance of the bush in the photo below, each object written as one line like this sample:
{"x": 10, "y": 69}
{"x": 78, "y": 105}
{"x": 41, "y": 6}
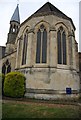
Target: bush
{"x": 14, "y": 84}
{"x": 2, "y": 77}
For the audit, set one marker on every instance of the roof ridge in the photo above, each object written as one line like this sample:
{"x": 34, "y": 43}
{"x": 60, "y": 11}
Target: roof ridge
{"x": 49, "y": 5}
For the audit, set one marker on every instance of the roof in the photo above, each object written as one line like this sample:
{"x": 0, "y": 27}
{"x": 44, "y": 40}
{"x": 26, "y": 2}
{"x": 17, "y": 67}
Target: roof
{"x": 48, "y": 9}
{"x": 16, "y": 16}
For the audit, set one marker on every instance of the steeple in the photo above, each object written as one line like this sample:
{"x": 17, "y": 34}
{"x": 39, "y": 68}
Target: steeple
{"x": 13, "y": 31}
{"x": 14, "y": 26}
{"x": 15, "y": 17}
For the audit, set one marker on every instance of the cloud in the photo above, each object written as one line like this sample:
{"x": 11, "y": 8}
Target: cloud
{"x": 28, "y": 7}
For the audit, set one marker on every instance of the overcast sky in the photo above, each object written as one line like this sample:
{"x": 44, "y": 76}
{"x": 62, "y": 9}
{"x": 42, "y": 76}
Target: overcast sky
{"x": 28, "y": 7}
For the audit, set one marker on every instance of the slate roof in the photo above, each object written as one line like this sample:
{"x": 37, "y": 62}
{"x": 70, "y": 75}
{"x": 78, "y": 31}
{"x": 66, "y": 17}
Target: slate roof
{"x": 16, "y": 16}
{"x": 48, "y": 9}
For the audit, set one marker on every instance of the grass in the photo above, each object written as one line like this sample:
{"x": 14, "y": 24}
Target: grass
{"x": 19, "y": 109}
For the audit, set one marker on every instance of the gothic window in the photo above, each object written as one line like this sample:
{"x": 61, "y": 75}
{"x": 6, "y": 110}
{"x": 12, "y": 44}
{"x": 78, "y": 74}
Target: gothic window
{"x": 41, "y": 50}
{"x": 24, "y": 56}
{"x": 7, "y": 62}
{"x": 6, "y": 68}
{"x": 61, "y": 45}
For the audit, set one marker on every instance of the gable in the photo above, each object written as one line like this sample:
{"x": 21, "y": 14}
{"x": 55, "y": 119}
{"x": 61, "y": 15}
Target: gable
{"x": 49, "y": 9}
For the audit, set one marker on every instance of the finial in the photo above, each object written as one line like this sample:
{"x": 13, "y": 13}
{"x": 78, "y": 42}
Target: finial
{"x": 17, "y": 2}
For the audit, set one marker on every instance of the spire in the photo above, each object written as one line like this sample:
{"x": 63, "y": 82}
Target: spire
{"x": 15, "y": 17}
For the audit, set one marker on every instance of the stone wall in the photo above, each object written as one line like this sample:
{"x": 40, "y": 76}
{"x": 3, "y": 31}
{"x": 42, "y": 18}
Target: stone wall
{"x": 49, "y": 76}
{"x": 52, "y": 23}
{"x": 80, "y": 68}
{"x": 51, "y": 82}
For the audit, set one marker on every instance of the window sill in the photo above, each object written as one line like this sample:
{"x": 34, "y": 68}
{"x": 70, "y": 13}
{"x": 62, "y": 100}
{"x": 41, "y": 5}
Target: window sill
{"x": 61, "y": 66}
{"x": 41, "y": 65}
{"x": 25, "y": 66}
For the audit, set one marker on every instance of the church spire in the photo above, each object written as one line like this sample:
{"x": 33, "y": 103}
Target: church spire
{"x": 13, "y": 31}
{"x": 15, "y": 17}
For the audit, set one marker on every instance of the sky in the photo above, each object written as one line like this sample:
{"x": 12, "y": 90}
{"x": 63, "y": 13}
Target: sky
{"x": 28, "y": 7}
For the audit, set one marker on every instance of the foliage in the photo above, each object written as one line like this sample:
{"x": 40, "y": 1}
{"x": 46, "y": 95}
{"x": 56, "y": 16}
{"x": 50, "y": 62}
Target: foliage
{"x": 14, "y": 84}
{"x": 2, "y": 76}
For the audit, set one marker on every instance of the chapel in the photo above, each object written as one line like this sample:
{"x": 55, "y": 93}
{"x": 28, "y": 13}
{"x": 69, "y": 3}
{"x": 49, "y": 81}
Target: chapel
{"x": 45, "y": 50}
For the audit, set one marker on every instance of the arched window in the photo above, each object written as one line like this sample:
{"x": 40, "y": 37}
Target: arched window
{"x": 24, "y": 56}
{"x": 61, "y": 45}
{"x": 14, "y": 28}
{"x": 6, "y": 68}
{"x": 41, "y": 50}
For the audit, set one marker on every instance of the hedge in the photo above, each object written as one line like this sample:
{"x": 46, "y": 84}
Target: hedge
{"x": 14, "y": 84}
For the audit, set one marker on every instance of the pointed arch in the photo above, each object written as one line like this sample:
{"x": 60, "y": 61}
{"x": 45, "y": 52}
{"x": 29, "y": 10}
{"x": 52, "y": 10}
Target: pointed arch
{"x": 7, "y": 62}
{"x": 8, "y": 68}
{"x": 62, "y": 24}
{"x": 42, "y": 22}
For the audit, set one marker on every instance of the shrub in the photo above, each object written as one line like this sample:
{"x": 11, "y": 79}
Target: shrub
{"x": 2, "y": 77}
{"x": 14, "y": 84}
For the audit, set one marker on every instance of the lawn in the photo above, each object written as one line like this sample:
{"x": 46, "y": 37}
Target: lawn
{"x": 20, "y": 109}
